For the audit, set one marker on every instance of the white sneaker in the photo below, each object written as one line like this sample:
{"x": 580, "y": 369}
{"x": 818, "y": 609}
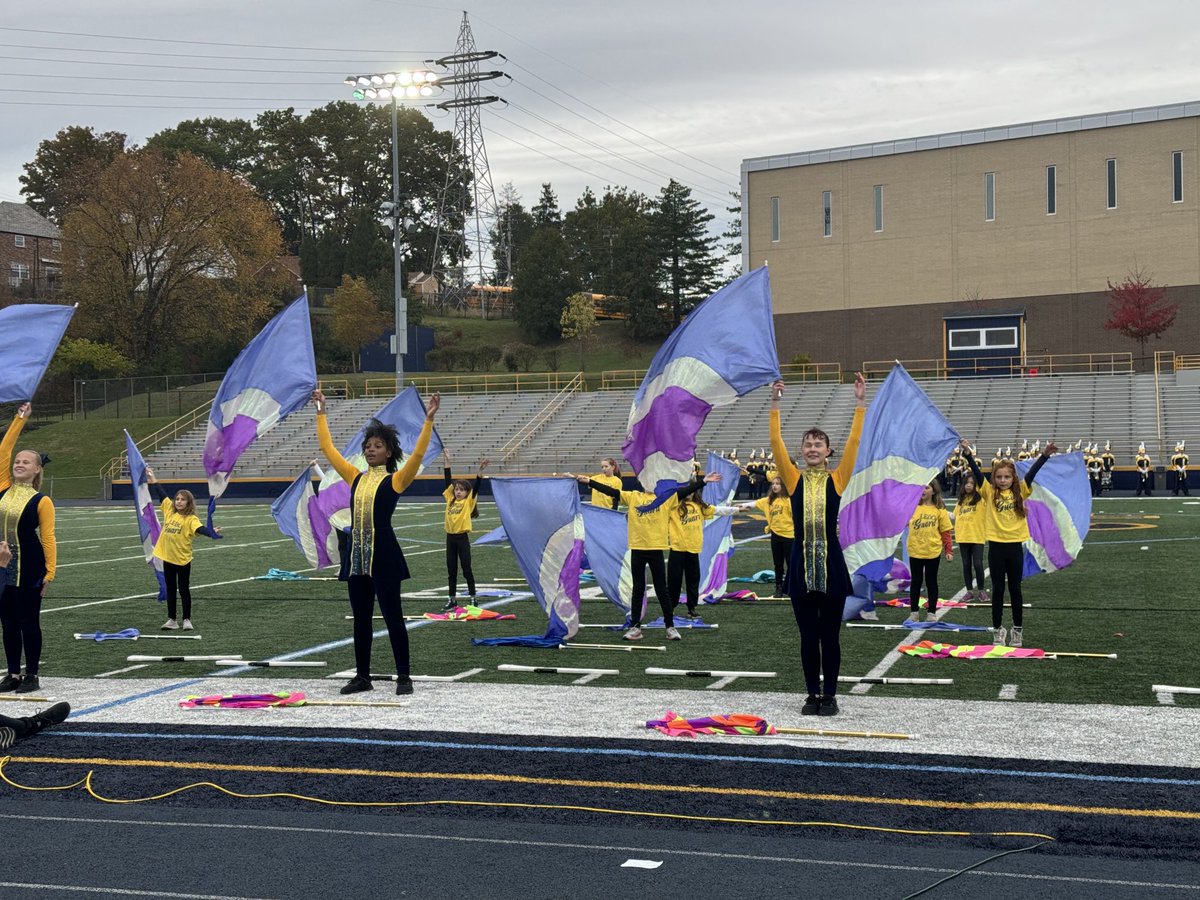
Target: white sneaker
{"x": 673, "y": 634}
{"x": 999, "y": 636}
{"x": 1017, "y": 636}
{"x": 170, "y": 625}
{"x": 187, "y": 625}
{"x": 633, "y": 634}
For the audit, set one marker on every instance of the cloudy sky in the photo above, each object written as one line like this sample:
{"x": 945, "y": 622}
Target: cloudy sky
{"x": 623, "y": 92}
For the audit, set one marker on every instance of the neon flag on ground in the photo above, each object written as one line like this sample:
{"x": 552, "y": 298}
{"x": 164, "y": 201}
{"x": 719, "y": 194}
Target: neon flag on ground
{"x": 932, "y": 650}
{"x": 724, "y": 349}
{"x": 1059, "y": 512}
{"x": 542, "y": 519}
{"x": 904, "y": 444}
{"x": 29, "y": 335}
{"x": 273, "y": 376}
{"x": 149, "y": 527}
{"x": 676, "y": 725}
{"x": 606, "y": 539}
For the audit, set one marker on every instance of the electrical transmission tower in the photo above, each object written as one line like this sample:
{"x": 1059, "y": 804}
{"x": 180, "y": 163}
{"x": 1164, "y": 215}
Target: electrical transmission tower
{"x": 468, "y": 212}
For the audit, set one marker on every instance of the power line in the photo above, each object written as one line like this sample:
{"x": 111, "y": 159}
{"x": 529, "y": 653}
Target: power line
{"x": 561, "y": 162}
{"x": 156, "y": 97}
{"x": 124, "y": 37}
{"x": 138, "y": 106}
{"x": 341, "y": 73}
{"x": 175, "y": 55}
{"x": 143, "y": 80}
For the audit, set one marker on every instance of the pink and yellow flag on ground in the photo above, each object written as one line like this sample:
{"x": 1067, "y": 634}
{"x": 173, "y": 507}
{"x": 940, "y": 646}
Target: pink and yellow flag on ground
{"x": 244, "y": 701}
{"x": 675, "y": 725}
{"x": 932, "y": 650}
{"x": 467, "y": 614}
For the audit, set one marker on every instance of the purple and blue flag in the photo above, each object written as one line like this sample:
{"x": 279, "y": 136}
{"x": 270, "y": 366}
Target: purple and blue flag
{"x": 606, "y": 538}
{"x": 724, "y": 349}
{"x": 29, "y": 335}
{"x": 149, "y": 527}
{"x": 905, "y": 443}
{"x": 294, "y": 513}
{"x": 1059, "y": 512}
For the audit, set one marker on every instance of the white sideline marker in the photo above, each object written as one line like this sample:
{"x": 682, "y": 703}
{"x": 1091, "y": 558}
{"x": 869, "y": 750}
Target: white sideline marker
{"x": 556, "y": 670}
{"x": 709, "y": 673}
{"x": 150, "y": 659}
{"x": 269, "y": 663}
{"x": 621, "y": 647}
{"x": 854, "y": 679}
{"x": 678, "y": 624}
{"x": 1173, "y": 689}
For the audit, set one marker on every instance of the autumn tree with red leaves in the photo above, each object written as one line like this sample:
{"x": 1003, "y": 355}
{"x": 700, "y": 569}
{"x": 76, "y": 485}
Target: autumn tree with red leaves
{"x": 1136, "y": 309}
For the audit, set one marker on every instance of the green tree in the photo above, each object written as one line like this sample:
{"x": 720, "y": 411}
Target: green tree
{"x": 514, "y": 225}
{"x": 64, "y": 168}
{"x": 82, "y": 358}
{"x": 230, "y": 145}
{"x": 679, "y": 231}
{"x": 357, "y": 319}
{"x": 578, "y": 323}
{"x": 541, "y": 283}
{"x": 733, "y": 233}
{"x": 546, "y": 212}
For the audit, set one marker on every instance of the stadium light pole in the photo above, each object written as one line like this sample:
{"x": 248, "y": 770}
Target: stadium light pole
{"x": 395, "y": 86}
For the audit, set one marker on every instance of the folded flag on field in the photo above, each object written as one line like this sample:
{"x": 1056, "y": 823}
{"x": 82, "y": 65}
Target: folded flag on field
{"x": 29, "y": 336}
{"x": 675, "y": 725}
{"x": 281, "y": 575}
{"x": 129, "y": 634}
{"x": 467, "y": 614}
{"x": 724, "y": 348}
{"x": 924, "y": 604}
{"x": 939, "y": 625}
{"x": 149, "y": 528}
{"x": 766, "y": 576}
{"x": 245, "y": 701}
{"x": 739, "y": 596}
{"x": 905, "y": 442}
{"x": 541, "y": 517}
{"x": 273, "y": 376}
{"x": 1059, "y": 512}
{"x": 931, "y": 650}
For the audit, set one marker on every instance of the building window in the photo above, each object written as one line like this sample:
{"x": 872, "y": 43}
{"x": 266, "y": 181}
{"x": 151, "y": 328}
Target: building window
{"x": 989, "y": 196}
{"x": 1051, "y": 191}
{"x": 775, "y": 220}
{"x": 879, "y": 207}
{"x": 983, "y": 338}
{"x": 1111, "y": 167}
{"x": 1177, "y": 176}
{"x": 827, "y": 212}
{"x": 56, "y": 244}
{"x": 962, "y": 339}
{"x": 19, "y": 240}
{"x": 18, "y": 274}
{"x": 994, "y": 338}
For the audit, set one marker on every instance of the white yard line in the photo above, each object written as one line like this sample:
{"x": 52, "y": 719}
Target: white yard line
{"x": 1008, "y": 692}
{"x": 121, "y": 671}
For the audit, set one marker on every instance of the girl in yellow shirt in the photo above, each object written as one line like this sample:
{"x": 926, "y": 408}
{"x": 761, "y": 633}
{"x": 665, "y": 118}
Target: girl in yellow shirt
{"x": 610, "y": 474}
{"x": 174, "y": 548}
{"x": 928, "y": 538}
{"x": 777, "y": 507}
{"x": 685, "y": 532}
{"x": 968, "y": 532}
{"x": 1006, "y": 529}
{"x": 461, "y": 499}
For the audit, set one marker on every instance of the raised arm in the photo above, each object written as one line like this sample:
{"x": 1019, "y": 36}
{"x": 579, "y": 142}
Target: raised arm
{"x": 841, "y": 475}
{"x": 9, "y": 443}
{"x": 404, "y": 476}
{"x": 783, "y": 462}
{"x": 346, "y": 469}
{"x": 973, "y": 464}
{"x": 483, "y": 464}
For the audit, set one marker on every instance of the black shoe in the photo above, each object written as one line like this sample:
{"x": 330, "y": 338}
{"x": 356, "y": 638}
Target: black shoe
{"x": 811, "y": 705}
{"x": 10, "y": 683}
{"x": 828, "y": 707}
{"x": 451, "y": 605}
{"x": 28, "y": 684}
{"x": 8, "y": 737}
{"x": 357, "y": 684}
{"x": 404, "y": 685}
{"x": 691, "y": 612}
{"x": 54, "y": 715}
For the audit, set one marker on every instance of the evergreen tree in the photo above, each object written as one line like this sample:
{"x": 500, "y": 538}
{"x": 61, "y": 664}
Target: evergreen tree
{"x": 514, "y": 225}
{"x": 541, "y": 284}
{"x": 687, "y": 266}
{"x": 545, "y": 211}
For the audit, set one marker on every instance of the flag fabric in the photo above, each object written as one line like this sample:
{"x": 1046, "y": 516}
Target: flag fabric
{"x": 606, "y": 539}
{"x": 715, "y": 553}
{"x": 941, "y": 625}
{"x": 724, "y": 349}
{"x": 29, "y": 335}
{"x": 273, "y": 376}
{"x": 496, "y": 536}
{"x": 542, "y": 519}
{"x": 931, "y": 650}
{"x": 244, "y": 701}
{"x": 1059, "y": 512}
{"x": 904, "y": 444}
{"x": 720, "y": 493}
{"x": 467, "y": 614}
{"x": 676, "y": 725}
{"x": 298, "y": 515}
{"x": 149, "y": 527}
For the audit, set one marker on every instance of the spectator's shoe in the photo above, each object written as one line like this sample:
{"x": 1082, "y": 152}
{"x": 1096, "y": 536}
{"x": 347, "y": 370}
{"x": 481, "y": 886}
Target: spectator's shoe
{"x": 828, "y": 707}
{"x": 170, "y": 625}
{"x": 999, "y": 636}
{"x": 633, "y": 634}
{"x": 10, "y": 683}
{"x": 187, "y": 625}
{"x": 28, "y": 684}
{"x": 404, "y": 685}
{"x": 811, "y": 705}
{"x": 1017, "y": 636}
{"x": 53, "y": 715}
{"x": 673, "y": 634}
{"x": 356, "y": 685}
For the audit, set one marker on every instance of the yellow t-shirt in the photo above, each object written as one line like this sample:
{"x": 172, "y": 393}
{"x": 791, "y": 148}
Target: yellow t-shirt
{"x": 968, "y": 522}
{"x": 685, "y": 527}
{"x": 925, "y": 530}
{"x": 1003, "y": 524}
{"x": 458, "y": 512}
{"x": 779, "y": 516}
{"x": 175, "y": 541}
{"x": 599, "y": 499}
{"x": 648, "y": 531}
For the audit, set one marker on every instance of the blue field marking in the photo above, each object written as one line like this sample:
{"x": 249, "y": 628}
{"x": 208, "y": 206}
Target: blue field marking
{"x": 627, "y": 752}
{"x": 121, "y": 702}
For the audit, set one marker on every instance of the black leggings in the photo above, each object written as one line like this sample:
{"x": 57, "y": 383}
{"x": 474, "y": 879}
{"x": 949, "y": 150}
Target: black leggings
{"x": 684, "y": 568}
{"x": 781, "y": 552}
{"x": 820, "y": 619}
{"x": 178, "y": 578}
{"x": 972, "y": 563}
{"x": 1007, "y": 561}
{"x": 923, "y": 570}
{"x": 363, "y": 591}
{"x": 458, "y": 548}
{"x": 638, "y": 560}
{"x": 20, "y": 615}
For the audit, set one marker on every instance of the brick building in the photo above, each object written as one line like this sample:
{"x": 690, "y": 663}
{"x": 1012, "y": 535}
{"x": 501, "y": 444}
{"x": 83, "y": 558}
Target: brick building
{"x": 30, "y": 252}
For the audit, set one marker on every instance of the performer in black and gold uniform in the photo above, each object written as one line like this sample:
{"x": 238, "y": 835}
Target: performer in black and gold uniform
{"x": 1145, "y": 472}
{"x": 1095, "y": 467}
{"x": 375, "y": 565}
{"x": 1179, "y": 462}
{"x": 1108, "y": 462}
{"x": 27, "y": 519}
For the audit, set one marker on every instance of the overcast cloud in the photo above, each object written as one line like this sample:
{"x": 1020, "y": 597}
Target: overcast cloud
{"x": 689, "y": 88}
